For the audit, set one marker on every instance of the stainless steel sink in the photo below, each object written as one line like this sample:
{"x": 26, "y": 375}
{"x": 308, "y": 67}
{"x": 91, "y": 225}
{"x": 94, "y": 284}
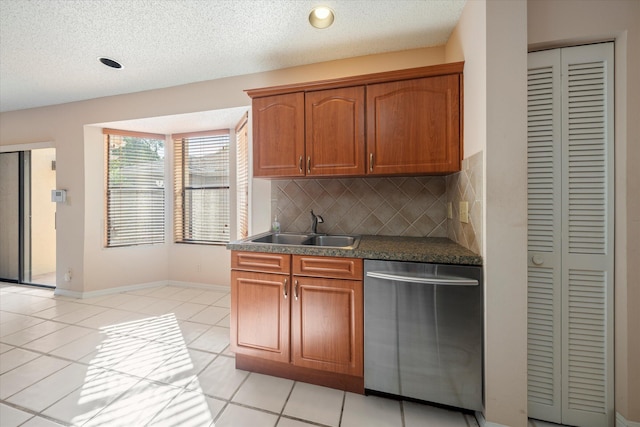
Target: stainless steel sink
{"x": 282, "y": 239}
{"x": 334, "y": 241}
{"x": 293, "y": 239}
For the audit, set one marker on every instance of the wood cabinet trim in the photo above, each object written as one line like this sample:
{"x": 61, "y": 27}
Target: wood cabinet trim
{"x": 365, "y": 79}
{"x": 261, "y": 262}
{"x": 352, "y": 383}
{"x": 329, "y": 267}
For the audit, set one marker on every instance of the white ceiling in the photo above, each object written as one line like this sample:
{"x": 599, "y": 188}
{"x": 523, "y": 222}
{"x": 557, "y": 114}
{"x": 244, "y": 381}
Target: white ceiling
{"x": 49, "y": 48}
{"x": 179, "y": 123}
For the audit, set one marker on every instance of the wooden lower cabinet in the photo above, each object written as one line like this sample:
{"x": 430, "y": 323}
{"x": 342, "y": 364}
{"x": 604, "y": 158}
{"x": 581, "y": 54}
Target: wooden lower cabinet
{"x": 260, "y": 315}
{"x": 327, "y": 325}
{"x": 299, "y": 327}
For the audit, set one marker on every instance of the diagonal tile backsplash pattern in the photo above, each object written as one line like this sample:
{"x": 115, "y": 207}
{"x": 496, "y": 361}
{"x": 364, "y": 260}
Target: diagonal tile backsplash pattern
{"x": 398, "y": 206}
{"x": 466, "y": 185}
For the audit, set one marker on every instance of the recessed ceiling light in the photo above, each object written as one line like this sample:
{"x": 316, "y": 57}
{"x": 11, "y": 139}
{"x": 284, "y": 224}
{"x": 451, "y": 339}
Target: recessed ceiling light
{"x": 321, "y": 17}
{"x": 110, "y": 63}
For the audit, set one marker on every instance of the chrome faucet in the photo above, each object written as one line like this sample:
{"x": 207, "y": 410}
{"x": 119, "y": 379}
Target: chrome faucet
{"x": 316, "y": 219}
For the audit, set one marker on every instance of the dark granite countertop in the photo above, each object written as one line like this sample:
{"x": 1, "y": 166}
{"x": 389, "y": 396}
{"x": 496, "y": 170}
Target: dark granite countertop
{"x": 394, "y": 248}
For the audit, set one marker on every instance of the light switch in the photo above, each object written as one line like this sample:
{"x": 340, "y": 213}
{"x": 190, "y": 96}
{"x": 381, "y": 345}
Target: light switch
{"x": 450, "y": 210}
{"x": 58, "y": 196}
{"x": 464, "y": 212}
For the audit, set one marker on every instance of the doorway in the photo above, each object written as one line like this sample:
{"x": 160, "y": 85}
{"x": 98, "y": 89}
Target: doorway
{"x": 27, "y": 217}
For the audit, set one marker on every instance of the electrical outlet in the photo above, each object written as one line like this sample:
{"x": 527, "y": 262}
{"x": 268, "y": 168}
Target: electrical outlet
{"x": 450, "y": 210}
{"x": 464, "y": 212}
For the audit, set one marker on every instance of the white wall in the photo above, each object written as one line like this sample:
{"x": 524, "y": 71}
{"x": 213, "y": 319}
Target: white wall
{"x": 468, "y": 43}
{"x": 80, "y": 169}
{"x": 506, "y": 213}
{"x": 495, "y": 123}
{"x": 135, "y": 264}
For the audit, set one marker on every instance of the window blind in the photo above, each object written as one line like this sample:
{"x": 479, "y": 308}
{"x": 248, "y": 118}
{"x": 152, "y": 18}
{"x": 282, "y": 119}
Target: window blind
{"x": 201, "y": 177}
{"x": 242, "y": 177}
{"x": 134, "y": 188}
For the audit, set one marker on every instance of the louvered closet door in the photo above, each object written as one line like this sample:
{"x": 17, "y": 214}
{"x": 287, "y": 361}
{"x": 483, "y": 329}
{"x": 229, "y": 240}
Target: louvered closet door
{"x": 570, "y": 276}
{"x": 587, "y": 234}
{"x": 544, "y": 243}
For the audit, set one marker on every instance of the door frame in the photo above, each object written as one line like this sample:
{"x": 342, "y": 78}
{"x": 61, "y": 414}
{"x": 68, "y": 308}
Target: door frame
{"x": 23, "y": 149}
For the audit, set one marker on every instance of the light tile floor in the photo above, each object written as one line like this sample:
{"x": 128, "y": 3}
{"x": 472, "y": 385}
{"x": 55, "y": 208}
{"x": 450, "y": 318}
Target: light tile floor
{"x": 159, "y": 357}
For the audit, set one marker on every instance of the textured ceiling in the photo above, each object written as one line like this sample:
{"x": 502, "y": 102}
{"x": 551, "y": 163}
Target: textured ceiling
{"x": 49, "y": 48}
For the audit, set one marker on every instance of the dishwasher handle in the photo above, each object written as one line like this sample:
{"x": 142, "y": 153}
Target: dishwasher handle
{"x": 433, "y": 280}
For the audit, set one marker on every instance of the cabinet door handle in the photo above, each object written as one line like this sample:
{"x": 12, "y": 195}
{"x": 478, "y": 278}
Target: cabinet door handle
{"x": 284, "y": 288}
{"x": 300, "y": 164}
{"x": 295, "y": 289}
{"x": 308, "y": 164}
{"x": 370, "y": 162}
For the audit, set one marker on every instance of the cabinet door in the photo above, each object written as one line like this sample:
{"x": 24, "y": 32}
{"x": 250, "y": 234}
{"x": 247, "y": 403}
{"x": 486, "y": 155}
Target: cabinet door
{"x": 261, "y": 262}
{"x": 330, "y": 267}
{"x": 327, "y": 325}
{"x": 334, "y": 121}
{"x": 278, "y": 135}
{"x": 413, "y": 126}
{"x": 260, "y": 315}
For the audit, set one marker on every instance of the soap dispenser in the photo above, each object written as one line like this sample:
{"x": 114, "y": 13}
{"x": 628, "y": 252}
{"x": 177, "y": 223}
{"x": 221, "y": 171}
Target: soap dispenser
{"x": 275, "y": 226}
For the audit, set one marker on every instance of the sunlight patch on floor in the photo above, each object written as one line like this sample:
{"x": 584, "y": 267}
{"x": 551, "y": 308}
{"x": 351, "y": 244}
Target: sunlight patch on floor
{"x": 154, "y": 346}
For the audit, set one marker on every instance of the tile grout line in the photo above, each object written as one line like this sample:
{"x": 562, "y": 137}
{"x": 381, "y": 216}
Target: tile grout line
{"x": 344, "y": 400}
{"x": 109, "y": 369}
{"x": 32, "y": 412}
{"x": 286, "y": 400}
{"x": 179, "y": 389}
{"x": 104, "y": 369}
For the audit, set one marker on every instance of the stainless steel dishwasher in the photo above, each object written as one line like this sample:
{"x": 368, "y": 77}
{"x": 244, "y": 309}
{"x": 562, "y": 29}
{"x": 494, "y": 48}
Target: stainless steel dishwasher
{"x": 423, "y": 334}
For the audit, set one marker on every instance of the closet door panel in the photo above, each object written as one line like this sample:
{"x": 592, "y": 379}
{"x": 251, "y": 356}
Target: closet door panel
{"x": 570, "y": 235}
{"x": 544, "y": 232}
{"x": 587, "y": 250}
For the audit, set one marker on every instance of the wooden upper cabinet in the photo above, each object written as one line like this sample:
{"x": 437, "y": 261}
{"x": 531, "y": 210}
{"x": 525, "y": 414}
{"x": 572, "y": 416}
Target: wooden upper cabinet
{"x": 404, "y": 122}
{"x": 278, "y": 135}
{"x": 334, "y": 123}
{"x": 413, "y": 126}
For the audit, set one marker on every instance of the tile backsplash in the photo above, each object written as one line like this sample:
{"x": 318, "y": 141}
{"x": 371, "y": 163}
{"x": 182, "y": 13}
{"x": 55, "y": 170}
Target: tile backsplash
{"x": 399, "y": 206}
{"x": 466, "y": 185}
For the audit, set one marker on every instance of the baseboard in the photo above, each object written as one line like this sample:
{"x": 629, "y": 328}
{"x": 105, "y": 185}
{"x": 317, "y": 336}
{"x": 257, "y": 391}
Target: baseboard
{"x": 484, "y": 423}
{"x": 351, "y": 383}
{"x": 137, "y": 287}
{"x": 221, "y": 288}
{"x": 622, "y": 422}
